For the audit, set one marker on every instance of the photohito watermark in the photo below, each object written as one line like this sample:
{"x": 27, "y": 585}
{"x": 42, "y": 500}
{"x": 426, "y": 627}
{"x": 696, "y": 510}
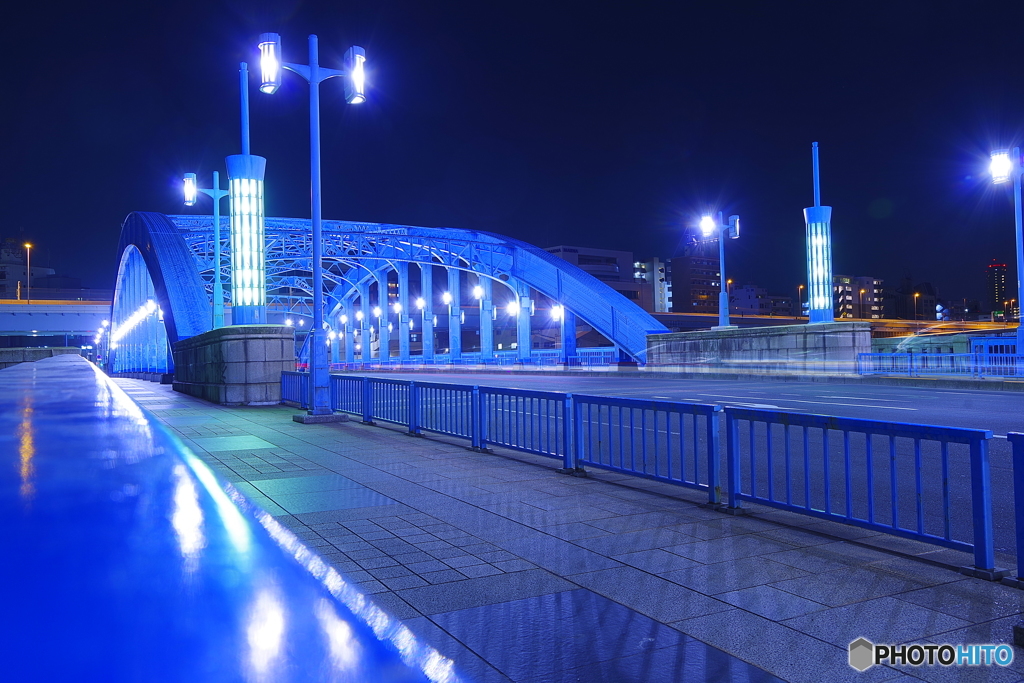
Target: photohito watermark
{"x": 864, "y": 654}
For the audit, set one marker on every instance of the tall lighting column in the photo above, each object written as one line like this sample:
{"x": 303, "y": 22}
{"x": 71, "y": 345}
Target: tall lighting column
{"x": 1005, "y": 164}
{"x": 708, "y": 226}
{"x": 819, "y": 254}
{"x": 28, "y": 272}
{"x": 354, "y": 77}
{"x": 192, "y": 191}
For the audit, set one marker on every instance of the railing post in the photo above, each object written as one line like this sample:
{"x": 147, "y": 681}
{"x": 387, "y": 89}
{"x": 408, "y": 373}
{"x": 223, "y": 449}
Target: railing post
{"x": 732, "y": 458}
{"x": 714, "y": 459}
{"x": 1016, "y": 440}
{"x": 981, "y": 504}
{"x": 367, "y": 401}
{"x": 568, "y": 423}
{"x": 476, "y": 414}
{"x": 414, "y": 408}
{"x": 304, "y": 386}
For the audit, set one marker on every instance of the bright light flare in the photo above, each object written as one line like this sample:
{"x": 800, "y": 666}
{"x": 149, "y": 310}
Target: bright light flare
{"x": 478, "y": 292}
{"x": 355, "y": 65}
{"x": 557, "y": 312}
{"x": 512, "y": 308}
{"x": 421, "y": 303}
{"x": 270, "y": 62}
{"x": 446, "y": 298}
{"x": 397, "y": 307}
{"x": 190, "y": 189}
{"x": 377, "y": 312}
{"x": 1001, "y": 166}
{"x": 359, "y": 316}
{"x": 707, "y": 225}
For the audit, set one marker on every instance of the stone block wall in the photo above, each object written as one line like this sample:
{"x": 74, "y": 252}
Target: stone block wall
{"x": 235, "y": 365}
{"x": 13, "y": 356}
{"x": 824, "y": 348}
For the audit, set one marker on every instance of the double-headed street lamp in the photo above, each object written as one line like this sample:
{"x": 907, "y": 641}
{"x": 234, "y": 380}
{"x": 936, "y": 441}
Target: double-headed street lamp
{"x": 191, "y": 193}
{"x": 355, "y": 93}
{"x": 708, "y": 226}
{"x": 1006, "y": 164}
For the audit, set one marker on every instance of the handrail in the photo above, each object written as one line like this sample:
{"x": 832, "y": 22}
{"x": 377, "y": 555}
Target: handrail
{"x": 128, "y": 559}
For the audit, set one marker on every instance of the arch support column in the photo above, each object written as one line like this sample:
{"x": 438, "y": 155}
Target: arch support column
{"x": 403, "y": 310}
{"x": 454, "y": 315}
{"x": 486, "y": 320}
{"x": 427, "y": 294}
{"x": 524, "y": 329}
{"x": 383, "y": 334}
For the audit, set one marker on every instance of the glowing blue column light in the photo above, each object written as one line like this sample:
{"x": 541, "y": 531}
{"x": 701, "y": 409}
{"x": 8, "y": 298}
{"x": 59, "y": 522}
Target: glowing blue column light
{"x": 248, "y": 269}
{"x": 819, "y": 254}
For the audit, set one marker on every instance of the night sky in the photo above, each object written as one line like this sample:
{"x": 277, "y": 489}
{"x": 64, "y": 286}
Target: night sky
{"x": 610, "y": 125}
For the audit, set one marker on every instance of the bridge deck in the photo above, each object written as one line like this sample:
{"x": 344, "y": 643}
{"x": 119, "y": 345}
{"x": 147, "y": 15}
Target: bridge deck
{"x": 519, "y": 573}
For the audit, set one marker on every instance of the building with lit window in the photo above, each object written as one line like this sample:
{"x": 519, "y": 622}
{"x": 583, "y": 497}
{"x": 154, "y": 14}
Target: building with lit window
{"x": 995, "y": 280}
{"x": 658, "y": 275}
{"x": 696, "y": 280}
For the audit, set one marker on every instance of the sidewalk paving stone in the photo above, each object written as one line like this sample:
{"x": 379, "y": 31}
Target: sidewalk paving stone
{"x": 488, "y": 556}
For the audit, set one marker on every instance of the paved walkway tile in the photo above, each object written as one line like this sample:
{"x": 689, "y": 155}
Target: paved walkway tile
{"x": 524, "y": 575}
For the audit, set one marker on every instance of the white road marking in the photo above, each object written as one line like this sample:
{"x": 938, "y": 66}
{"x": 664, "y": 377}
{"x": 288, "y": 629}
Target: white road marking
{"x": 822, "y": 403}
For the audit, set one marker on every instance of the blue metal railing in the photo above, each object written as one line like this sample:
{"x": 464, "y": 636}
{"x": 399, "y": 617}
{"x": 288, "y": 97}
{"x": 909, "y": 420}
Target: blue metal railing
{"x": 530, "y": 421}
{"x": 663, "y": 440}
{"x": 295, "y": 388}
{"x": 887, "y": 476}
{"x": 900, "y": 479}
{"x": 1016, "y": 440}
{"x": 975, "y": 365}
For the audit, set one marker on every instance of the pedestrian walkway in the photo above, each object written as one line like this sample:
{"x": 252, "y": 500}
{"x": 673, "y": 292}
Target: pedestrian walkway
{"x": 522, "y": 574}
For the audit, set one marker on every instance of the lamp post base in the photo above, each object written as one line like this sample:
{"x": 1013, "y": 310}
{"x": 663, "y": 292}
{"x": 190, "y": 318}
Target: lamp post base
{"x": 307, "y": 419}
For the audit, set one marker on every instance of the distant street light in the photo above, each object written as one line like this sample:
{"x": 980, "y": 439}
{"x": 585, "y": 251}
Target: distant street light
{"x": 799, "y": 301}
{"x": 708, "y": 226}
{"x": 1007, "y": 163}
{"x": 916, "y": 296}
{"x": 191, "y": 189}
{"x": 862, "y": 303}
{"x": 354, "y": 77}
{"x": 28, "y": 272}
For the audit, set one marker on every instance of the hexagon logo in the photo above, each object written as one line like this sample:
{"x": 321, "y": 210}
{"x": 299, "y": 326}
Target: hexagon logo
{"x": 862, "y": 654}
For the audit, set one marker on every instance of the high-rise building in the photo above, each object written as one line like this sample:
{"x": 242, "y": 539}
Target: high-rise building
{"x": 696, "y": 280}
{"x": 995, "y": 277}
{"x": 658, "y": 274}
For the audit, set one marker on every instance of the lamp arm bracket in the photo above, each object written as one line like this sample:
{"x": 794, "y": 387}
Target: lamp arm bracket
{"x": 300, "y": 69}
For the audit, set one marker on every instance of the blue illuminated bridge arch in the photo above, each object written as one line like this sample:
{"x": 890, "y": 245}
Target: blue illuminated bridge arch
{"x": 431, "y": 295}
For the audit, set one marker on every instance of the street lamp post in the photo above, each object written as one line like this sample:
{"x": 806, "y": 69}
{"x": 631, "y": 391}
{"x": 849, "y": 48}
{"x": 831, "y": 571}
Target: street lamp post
{"x": 708, "y": 226}
{"x": 917, "y": 295}
{"x": 354, "y": 77}
{"x": 1005, "y": 164}
{"x": 215, "y": 193}
{"x": 862, "y": 303}
{"x": 28, "y": 273}
{"x": 799, "y": 301}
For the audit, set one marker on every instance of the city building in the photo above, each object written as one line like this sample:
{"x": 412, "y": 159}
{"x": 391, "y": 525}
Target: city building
{"x": 995, "y": 280}
{"x": 754, "y": 300}
{"x": 858, "y": 297}
{"x": 614, "y": 268}
{"x": 868, "y": 297}
{"x": 658, "y": 274}
{"x": 696, "y": 280}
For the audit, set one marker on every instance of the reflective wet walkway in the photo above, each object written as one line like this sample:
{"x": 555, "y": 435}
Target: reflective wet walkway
{"x": 522, "y": 574}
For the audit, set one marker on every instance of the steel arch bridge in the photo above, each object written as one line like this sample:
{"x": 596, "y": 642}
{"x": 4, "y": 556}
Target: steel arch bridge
{"x": 370, "y": 300}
